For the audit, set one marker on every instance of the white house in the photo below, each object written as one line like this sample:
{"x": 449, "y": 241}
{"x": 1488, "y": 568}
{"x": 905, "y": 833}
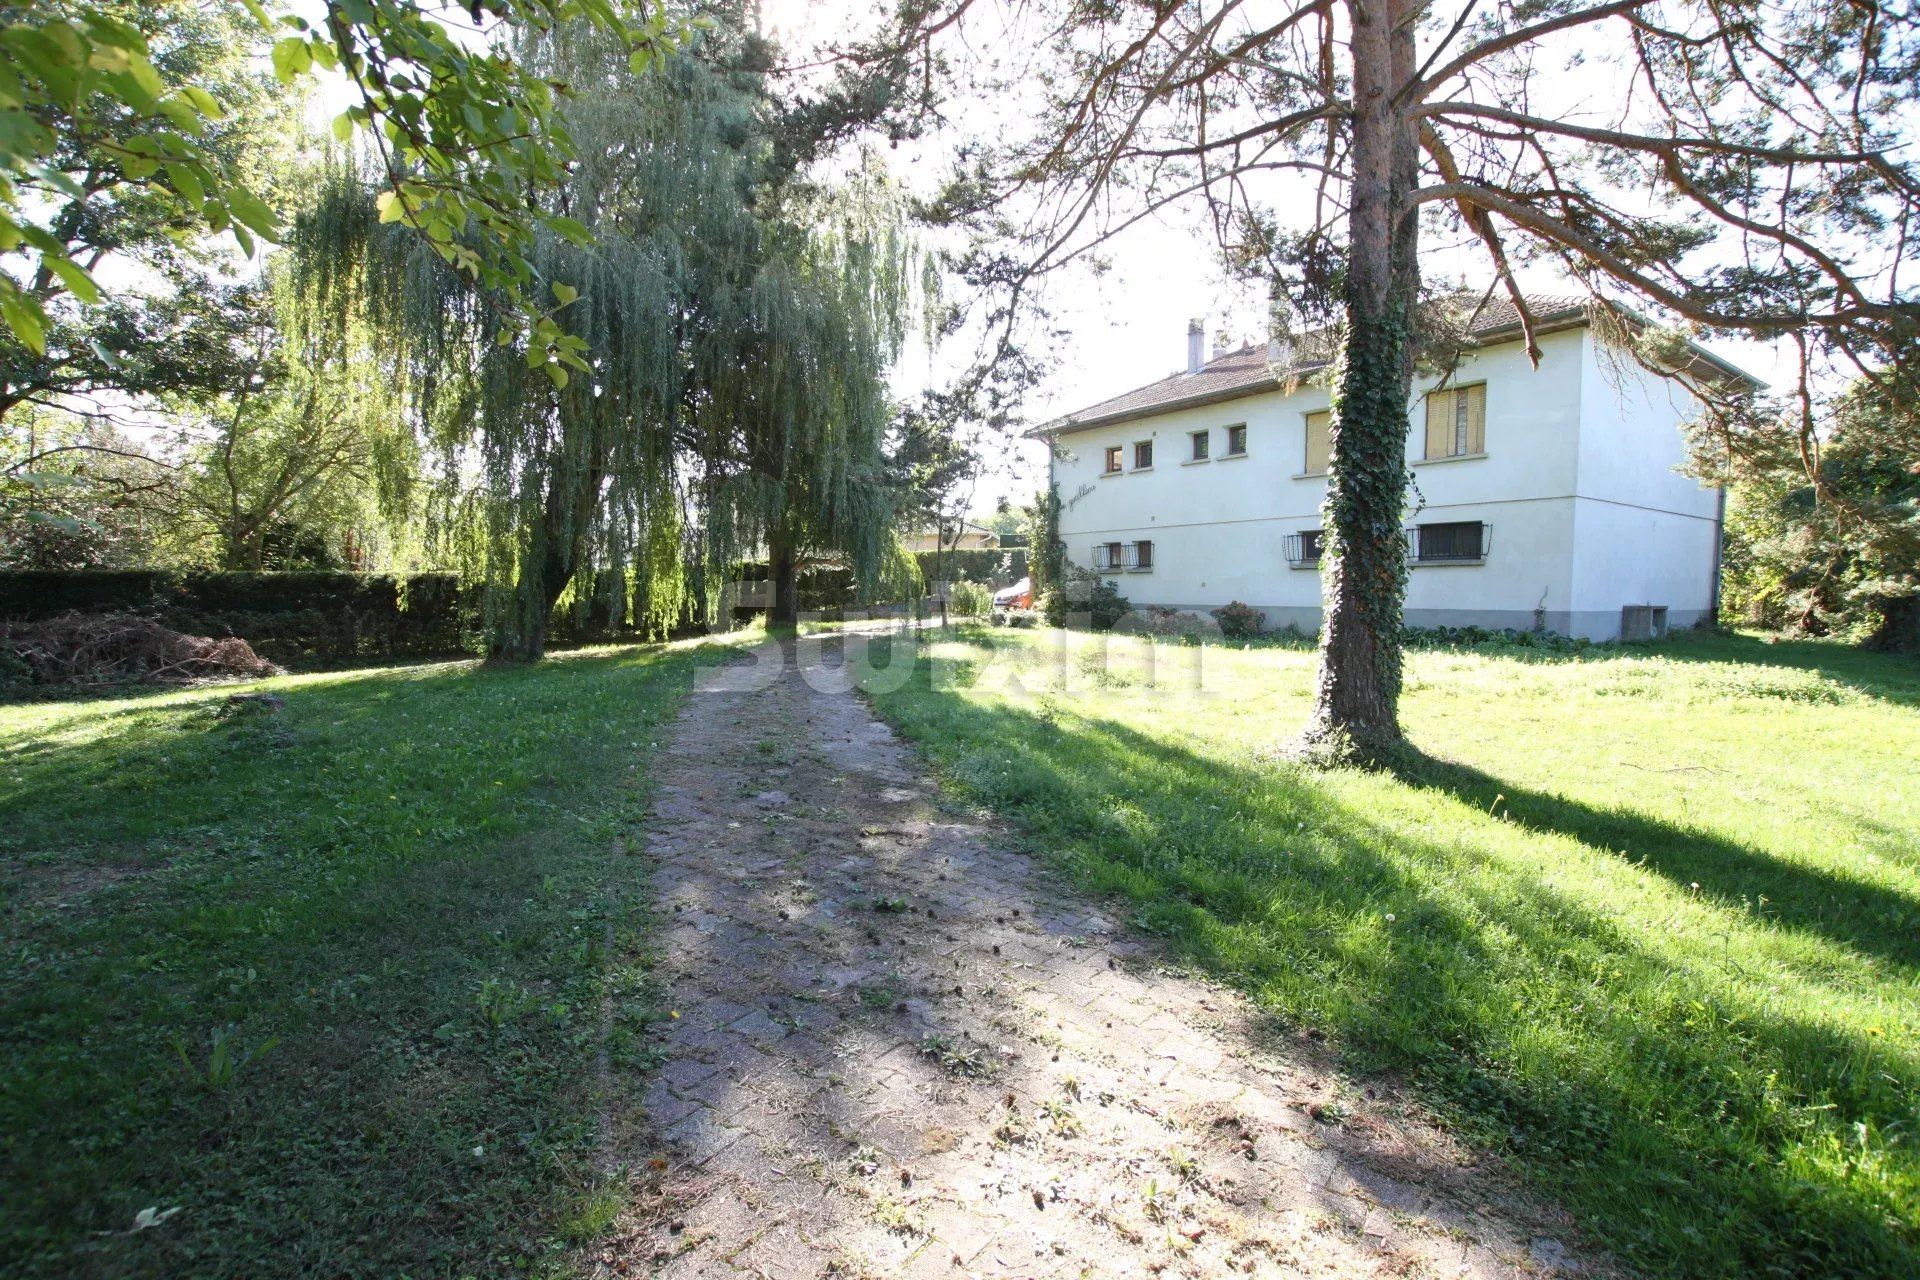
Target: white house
{"x": 1542, "y": 497}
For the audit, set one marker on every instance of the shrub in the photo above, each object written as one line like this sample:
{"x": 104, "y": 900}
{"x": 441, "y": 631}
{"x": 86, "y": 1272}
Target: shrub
{"x": 969, "y": 565}
{"x": 1491, "y": 638}
{"x": 1084, "y": 598}
{"x": 1238, "y": 621}
{"x": 1158, "y": 620}
{"x": 1017, "y": 618}
{"x": 969, "y": 600}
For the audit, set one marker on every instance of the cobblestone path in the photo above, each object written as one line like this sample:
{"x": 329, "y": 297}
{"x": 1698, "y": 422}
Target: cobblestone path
{"x": 902, "y": 1050}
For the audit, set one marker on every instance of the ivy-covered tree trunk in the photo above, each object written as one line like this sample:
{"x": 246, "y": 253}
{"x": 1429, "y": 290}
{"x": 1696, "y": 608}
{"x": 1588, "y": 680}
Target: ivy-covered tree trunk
{"x": 1356, "y": 704}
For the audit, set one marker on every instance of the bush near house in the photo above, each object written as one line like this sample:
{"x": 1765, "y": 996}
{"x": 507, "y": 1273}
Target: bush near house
{"x": 1238, "y": 621}
{"x": 1084, "y": 598}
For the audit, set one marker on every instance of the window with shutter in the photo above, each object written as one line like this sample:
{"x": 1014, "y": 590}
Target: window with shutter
{"x": 1457, "y": 422}
{"x": 1142, "y": 556}
{"x": 1319, "y": 442}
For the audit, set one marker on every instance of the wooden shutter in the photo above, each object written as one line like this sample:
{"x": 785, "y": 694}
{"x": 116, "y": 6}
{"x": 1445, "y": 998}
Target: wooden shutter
{"x": 1439, "y": 424}
{"x": 1319, "y": 441}
{"x": 1447, "y": 412}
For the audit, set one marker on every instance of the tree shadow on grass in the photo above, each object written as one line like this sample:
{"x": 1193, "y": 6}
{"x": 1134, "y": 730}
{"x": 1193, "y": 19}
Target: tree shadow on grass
{"x": 1693, "y": 1133}
{"x": 1869, "y": 918}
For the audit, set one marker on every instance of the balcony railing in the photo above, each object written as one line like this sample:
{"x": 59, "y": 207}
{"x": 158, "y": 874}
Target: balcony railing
{"x": 1454, "y": 542}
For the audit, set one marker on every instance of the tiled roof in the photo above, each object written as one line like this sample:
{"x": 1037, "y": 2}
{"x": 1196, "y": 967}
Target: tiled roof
{"x": 1248, "y": 371}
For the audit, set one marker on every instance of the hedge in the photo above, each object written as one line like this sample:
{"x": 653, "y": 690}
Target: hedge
{"x": 974, "y": 566}
{"x": 310, "y": 616}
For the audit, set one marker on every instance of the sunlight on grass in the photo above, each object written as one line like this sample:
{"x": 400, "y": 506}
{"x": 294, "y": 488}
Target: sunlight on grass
{"x": 327, "y": 977}
{"x": 1645, "y": 922}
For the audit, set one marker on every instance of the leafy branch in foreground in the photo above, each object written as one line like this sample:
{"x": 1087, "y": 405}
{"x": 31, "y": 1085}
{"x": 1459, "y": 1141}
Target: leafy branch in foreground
{"x": 469, "y": 138}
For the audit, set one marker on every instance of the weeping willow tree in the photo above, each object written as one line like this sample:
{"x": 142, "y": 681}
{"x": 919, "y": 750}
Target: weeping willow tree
{"x": 711, "y": 381}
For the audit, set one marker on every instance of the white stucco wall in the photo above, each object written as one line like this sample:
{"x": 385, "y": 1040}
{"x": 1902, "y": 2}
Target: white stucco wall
{"x": 1643, "y": 532}
{"x": 1579, "y": 485}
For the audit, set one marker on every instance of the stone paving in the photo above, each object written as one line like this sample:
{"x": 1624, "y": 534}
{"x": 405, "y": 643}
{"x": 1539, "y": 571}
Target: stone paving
{"x": 902, "y": 1050}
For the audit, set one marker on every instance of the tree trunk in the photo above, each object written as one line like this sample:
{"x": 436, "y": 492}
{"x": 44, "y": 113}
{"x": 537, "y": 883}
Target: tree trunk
{"x": 521, "y": 636}
{"x": 1356, "y": 707}
{"x": 783, "y": 569}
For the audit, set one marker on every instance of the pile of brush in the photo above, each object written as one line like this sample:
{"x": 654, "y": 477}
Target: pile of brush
{"x": 114, "y": 648}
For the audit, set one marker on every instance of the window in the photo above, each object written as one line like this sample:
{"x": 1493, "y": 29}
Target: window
{"x": 1319, "y": 442}
{"x": 1457, "y": 422}
{"x": 1452, "y": 542}
{"x": 1141, "y": 558}
{"x": 1303, "y": 548}
{"x": 1202, "y": 443}
{"x": 1106, "y": 555}
{"x": 1113, "y": 459}
{"x": 1142, "y": 455}
{"x": 1236, "y": 439}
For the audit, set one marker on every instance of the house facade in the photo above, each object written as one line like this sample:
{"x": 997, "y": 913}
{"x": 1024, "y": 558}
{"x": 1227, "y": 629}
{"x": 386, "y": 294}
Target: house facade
{"x": 968, "y": 537}
{"x": 1541, "y": 497}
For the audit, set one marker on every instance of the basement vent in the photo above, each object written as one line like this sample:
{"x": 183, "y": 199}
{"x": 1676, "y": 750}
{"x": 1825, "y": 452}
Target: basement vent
{"x": 1643, "y": 621}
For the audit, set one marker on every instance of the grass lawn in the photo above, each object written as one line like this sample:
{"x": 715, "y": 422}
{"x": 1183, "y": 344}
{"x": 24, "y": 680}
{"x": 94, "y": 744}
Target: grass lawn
{"x": 330, "y": 981}
{"x": 1645, "y": 923}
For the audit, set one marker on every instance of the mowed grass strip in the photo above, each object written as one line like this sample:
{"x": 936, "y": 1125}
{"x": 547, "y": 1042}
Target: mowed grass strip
{"x": 322, "y": 986}
{"x": 1644, "y": 922}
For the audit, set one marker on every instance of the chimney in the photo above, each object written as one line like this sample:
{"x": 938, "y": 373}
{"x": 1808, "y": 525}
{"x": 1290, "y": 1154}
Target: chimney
{"x": 1196, "y": 344}
{"x": 1280, "y": 352}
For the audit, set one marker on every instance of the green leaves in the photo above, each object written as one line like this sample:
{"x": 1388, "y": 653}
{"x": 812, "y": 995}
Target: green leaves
{"x": 477, "y": 132}
{"x": 64, "y": 75}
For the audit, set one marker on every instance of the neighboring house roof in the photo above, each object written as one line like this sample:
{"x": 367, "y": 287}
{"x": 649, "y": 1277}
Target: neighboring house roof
{"x": 968, "y": 529}
{"x": 1249, "y": 371}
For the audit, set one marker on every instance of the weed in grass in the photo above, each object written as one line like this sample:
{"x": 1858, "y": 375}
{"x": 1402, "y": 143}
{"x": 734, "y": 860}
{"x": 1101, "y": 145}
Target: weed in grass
{"x": 895, "y": 1216}
{"x": 1060, "y": 1117}
{"x": 1014, "y": 1129}
{"x": 881, "y": 995}
{"x": 226, "y": 1058}
{"x": 499, "y": 1001}
{"x": 1184, "y": 1166}
{"x": 964, "y": 1061}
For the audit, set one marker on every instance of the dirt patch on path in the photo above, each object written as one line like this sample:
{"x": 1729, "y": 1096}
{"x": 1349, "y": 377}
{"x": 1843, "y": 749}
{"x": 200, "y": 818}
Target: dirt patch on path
{"x": 903, "y": 1050}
